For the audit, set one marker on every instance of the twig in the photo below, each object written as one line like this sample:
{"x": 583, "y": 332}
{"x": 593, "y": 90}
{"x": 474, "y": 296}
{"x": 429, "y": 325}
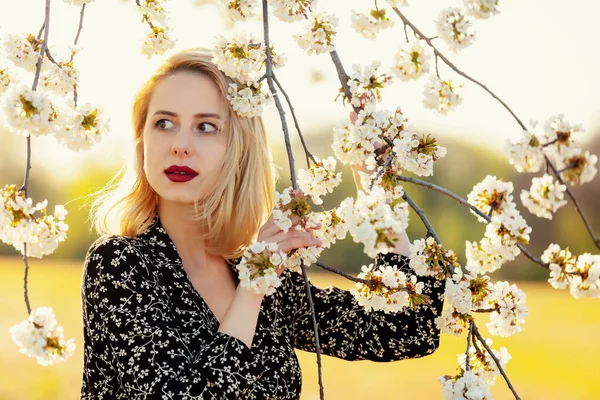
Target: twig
{"x": 289, "y": 103}
{"x": 470, "y": 206}
{"x": 478, "y": 335}
{"x": 451, "y": 65}
{"x": 315, "y": 325}
{"x": 468, "y": 368}
{"x": 273, "y": 90}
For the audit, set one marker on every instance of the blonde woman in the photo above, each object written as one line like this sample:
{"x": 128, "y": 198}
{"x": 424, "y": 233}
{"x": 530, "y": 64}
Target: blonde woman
{"x": 163, "y": 314}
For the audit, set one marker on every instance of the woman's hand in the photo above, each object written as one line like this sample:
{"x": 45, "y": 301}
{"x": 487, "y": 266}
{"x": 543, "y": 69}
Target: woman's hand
{"x": 287, "y": 241}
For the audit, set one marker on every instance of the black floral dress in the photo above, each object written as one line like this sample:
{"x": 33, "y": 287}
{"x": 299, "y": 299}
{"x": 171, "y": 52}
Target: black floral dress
{"x": 148, "y": 334}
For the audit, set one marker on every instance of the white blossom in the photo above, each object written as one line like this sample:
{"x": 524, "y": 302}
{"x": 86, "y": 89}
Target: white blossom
{"x": 19, "y": 224}
{"x": 561, "y": 263}
{"x": 418, "y": 153}
{"x": 481, "y": 362}
{"x": 374, "y": 222}
{"x": 157, "y": 42}
{"x": 467, "y": 387}
{"x": 441, "y": 96}
{"x": 370, "y": 25}
{"x": 455, "y": 28}
{"x": 61, "y": 79}
{"x": 544, "y": 197}
{"x": 578, "y": 167}
{"x": 365, "y": 84}
{"x": 40, "y": 337}
{"x": 318, "y": 33}
{"x": 23, "y": 50}
{"x": 482, "y": 8}
{"x": 492, "y": 196}
{"x": 257, "y": 268}
{"x": 243, "y": 56}
{"x": 411, "y": 61}
{"x": 526, "y": 153}
{"x": 292, "y": 10}
{"x": 28, "y": 112}
{"x": 390, "y": 292}
{"x": 84, "y": 127}
{"x": 508, "y": 302}
{"x": 248, "y": 100}
{"x": 319, "y": 179}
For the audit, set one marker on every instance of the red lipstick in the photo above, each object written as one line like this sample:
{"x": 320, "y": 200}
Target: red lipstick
{"x": 180, "y": 173}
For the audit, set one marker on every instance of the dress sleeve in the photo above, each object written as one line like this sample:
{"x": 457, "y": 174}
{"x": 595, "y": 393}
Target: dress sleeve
{"x": 347, "y": 331}
{"x": 131, "y": 351}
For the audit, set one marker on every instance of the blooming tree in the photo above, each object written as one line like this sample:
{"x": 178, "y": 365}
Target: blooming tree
{"x": 380, "y": 140}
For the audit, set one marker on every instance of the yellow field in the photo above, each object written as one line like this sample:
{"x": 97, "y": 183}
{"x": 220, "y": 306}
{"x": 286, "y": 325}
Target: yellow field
{"x": 557, "y": 356}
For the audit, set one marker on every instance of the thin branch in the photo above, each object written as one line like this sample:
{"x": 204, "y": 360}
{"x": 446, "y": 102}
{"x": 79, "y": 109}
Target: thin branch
{"x": 451, "y": 65}
{"x": 482, "y": 341}
{"x": 289, "y": 103}
{"x": 269, "y": 75}
{"x": 315, "y": 325}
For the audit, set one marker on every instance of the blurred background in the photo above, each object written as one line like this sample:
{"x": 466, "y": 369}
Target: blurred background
{"x": 537, "y": 56}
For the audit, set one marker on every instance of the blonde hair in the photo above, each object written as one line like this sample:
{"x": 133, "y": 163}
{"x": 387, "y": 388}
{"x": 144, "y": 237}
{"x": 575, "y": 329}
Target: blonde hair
{"x": 242, "y": 196}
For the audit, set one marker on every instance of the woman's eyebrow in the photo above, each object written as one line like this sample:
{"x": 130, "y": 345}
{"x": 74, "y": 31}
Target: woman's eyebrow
{"x": 199, "y": 115}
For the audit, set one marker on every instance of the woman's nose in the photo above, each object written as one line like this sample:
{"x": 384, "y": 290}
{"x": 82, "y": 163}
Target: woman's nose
{"x": 181, "y": 144}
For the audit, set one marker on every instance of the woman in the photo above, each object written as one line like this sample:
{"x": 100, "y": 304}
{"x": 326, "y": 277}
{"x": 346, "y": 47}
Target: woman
{"x": 164, "y": 316}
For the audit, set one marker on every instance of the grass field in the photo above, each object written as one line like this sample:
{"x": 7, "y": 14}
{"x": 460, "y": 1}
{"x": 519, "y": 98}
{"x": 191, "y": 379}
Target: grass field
{"x": 557, "y": 356}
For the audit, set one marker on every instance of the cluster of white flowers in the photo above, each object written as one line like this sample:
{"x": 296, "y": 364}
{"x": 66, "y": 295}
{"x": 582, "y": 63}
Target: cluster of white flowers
{"x": 248, "y": 99}
{"x": 318, "y": 34}
{"x": 482, "y": 8}
{"x": 28, "y": 112}
{"x": 40, "y": 337}
{"x": 428, "y": 258}
{"x": 508, "y": 302}
{"x": 441, "y": 96}
{"x": 19, "y": 225}
{"x": 578, "y": 166}
{"x": 558, "y": 143}
{"x": 78, "y": 2}
{"x": 525, "y": 154}
{"x": 23, "y": 50}
{"x": 374, "y": 222}
{"x": 83, "y": 127}
{"x": 481, "y": 362}
{"x": 580, "y": 274}
{"x": 389, "y": 290}
{"x": 455, "y": 28}
{"x": 418, "y": 153}
{"x": 61, "y": 78}
{"x": 544, "y": 197}
{"x": 158, "y": 40}
{"x": 373, "y": 23}
{"x": 239, "y": 10}
{"x": 243, "y": 59}
{"x": 468, "y": 387}
{"x": 365, "y": 84}
{"x": 411, "y": 61}
{"x": 292, "y": 10}
{"x": 356, "y": 143}
{"x": 452, "y": 322}
{"x": 333, "y": 226}
{"x": 491, "y": 196}
{"x": 257, "y": 269}
{"x": 319, "y": 179}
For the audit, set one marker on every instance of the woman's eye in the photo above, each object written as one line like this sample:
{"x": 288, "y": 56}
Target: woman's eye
{"x": 207, "y": 127}
{"x": 163, "y": 124}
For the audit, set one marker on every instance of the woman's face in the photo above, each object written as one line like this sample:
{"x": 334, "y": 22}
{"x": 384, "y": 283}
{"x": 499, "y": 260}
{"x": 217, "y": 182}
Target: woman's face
{"x": 184, "y": 142}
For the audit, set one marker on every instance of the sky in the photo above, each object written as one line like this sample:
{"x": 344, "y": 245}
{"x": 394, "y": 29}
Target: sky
{"x": 536, "y": 55}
